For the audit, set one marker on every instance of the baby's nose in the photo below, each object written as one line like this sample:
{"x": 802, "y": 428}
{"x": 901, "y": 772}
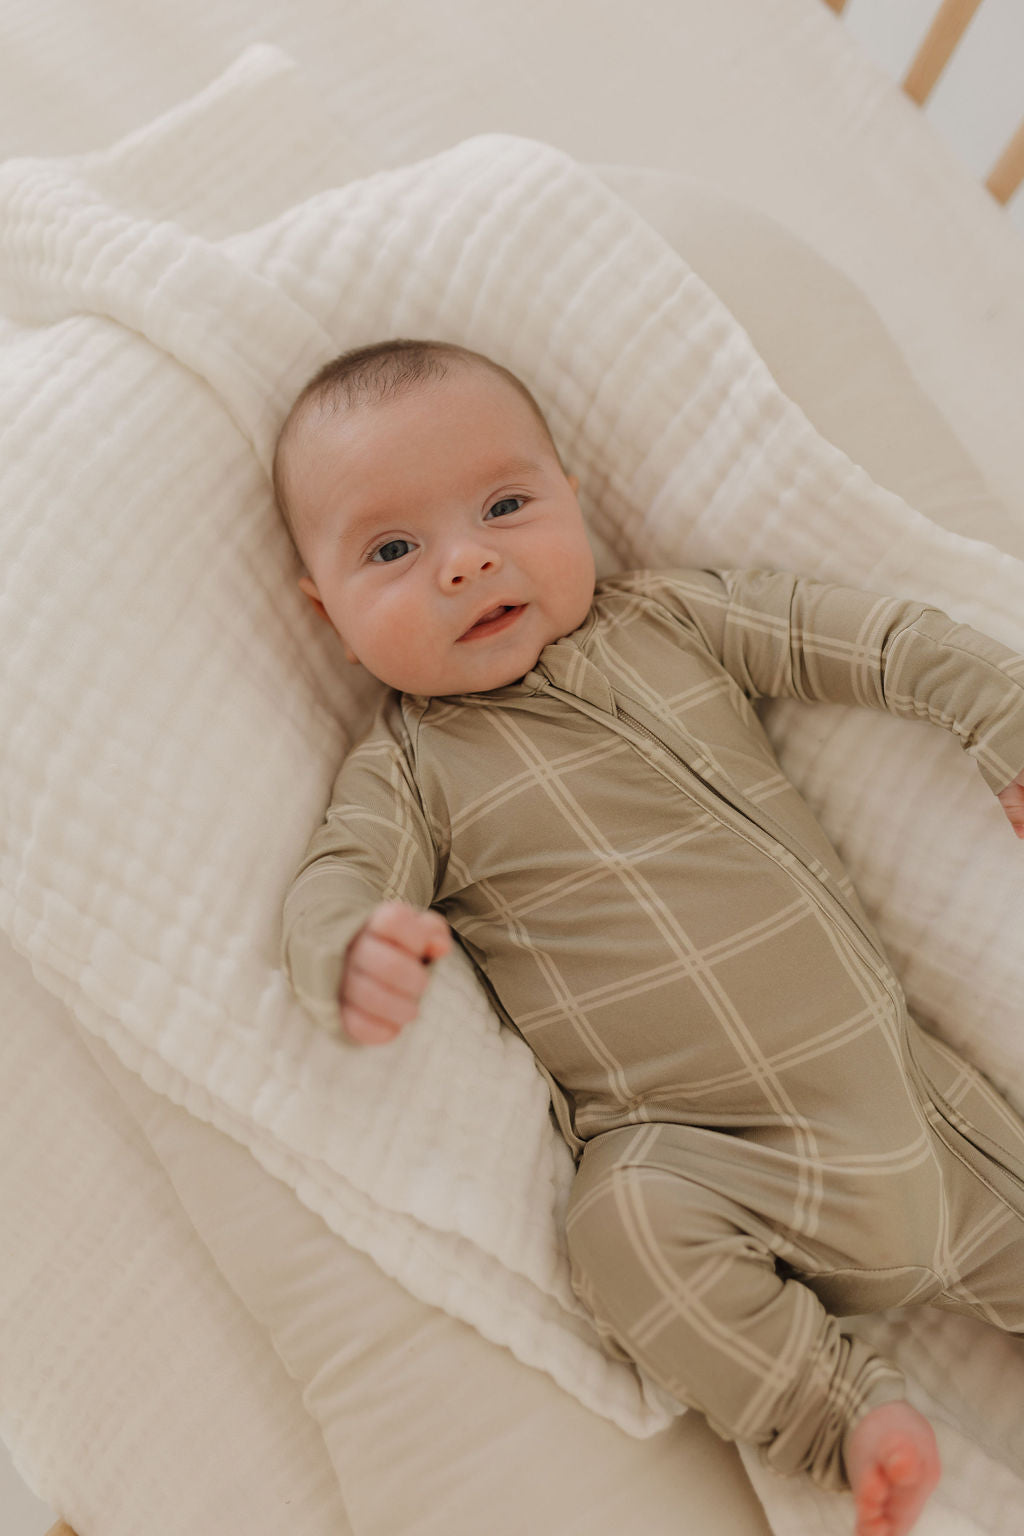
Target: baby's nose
{"x": 468, "y": 560}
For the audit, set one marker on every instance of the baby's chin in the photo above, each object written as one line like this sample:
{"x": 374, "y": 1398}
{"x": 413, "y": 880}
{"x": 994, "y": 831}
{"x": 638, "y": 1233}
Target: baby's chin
{"x": 487, "y": 678}
{"x": 481, "y": 663}
{"x": 441, "y": 688}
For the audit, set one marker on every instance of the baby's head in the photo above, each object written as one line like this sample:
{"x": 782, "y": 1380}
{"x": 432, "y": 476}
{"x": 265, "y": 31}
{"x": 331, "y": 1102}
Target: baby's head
{"x": 440, "y": 535}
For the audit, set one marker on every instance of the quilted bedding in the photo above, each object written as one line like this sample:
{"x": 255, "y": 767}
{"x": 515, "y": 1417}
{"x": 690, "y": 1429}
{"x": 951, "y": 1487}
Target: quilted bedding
{"x": 180, "y": 716}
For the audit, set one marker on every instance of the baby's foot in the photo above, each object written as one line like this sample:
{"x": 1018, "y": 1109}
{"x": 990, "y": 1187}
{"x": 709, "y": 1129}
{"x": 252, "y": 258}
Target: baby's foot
{"x": 892, "y": 1462}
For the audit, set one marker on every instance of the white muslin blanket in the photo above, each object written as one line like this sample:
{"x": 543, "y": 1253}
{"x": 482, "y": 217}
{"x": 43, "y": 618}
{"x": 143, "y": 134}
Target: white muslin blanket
{"x": 174, "y": 716}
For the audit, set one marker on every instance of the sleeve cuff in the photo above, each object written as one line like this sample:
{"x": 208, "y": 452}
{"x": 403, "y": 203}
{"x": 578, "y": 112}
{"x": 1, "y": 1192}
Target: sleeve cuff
{"x": 314, "y": 962}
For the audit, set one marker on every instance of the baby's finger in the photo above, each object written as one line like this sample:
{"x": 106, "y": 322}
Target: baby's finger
{"x": 377, "y": 999}
{"x": 1012, "y": 801}
{"x": 423, "y": 934}
{"x": 365, "y": 1029}
{"x": 387, "y": 963}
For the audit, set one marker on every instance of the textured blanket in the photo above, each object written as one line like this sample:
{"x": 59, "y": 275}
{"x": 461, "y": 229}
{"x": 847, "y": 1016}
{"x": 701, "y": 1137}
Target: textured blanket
{"x": 179, "y": 715}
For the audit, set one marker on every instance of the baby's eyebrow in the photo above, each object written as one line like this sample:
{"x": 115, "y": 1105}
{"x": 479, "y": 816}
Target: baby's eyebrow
{"x": 514, "y": 467}
{"x": 360, "y": 525}
{"x": 365, "y": 521}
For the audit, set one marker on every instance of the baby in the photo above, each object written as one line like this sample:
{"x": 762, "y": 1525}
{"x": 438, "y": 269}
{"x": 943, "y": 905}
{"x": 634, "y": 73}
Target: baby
{"x": 571, "y": 775}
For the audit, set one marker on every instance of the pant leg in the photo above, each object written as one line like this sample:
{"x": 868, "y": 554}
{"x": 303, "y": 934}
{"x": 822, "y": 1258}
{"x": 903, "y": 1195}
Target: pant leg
{"x": 985, "y": 1258}
{"x": 682, "y": 1280}
{"x": 979, "y": 1142}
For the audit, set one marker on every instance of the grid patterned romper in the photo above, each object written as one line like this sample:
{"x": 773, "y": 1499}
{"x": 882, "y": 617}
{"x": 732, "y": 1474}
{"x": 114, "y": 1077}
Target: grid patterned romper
{"x": 765, "y": 1140}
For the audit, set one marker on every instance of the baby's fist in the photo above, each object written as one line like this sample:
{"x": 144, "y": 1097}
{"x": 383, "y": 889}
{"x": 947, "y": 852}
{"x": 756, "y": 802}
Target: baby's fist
{"x": 387, "y": 968}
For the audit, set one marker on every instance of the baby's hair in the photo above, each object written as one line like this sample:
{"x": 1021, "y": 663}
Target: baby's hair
{"x": 378, "y": 372}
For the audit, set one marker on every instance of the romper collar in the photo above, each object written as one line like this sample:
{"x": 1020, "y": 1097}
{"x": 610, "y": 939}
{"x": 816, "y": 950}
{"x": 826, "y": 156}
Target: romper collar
{"x": 566, "y": 665}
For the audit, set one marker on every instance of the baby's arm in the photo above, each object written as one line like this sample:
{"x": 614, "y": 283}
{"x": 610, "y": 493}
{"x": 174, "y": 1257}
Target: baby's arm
{"x": 783, "y": 636}
{"x": 373, "y": 850}
{"x": 892, "y": 1462}
{"x": 386, "y": 970}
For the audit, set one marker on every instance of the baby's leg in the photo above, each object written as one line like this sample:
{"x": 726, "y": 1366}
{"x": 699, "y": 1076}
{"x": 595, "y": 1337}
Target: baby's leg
{"x": 682, "y": 1280}
{"x": 892, "y": 1462}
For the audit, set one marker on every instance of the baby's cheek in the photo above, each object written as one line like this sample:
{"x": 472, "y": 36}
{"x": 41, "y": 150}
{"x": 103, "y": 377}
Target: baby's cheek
{"x": 400, "y": 646}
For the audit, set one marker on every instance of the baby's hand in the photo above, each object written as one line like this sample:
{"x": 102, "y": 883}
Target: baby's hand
{"x": 387, "y": 970}
{"x": 1012, "y": 801}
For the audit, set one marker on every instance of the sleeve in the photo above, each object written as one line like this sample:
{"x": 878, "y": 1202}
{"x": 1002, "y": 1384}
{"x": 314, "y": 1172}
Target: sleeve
{"x": 374, "y": 845}
{"x": 783, "y": 636}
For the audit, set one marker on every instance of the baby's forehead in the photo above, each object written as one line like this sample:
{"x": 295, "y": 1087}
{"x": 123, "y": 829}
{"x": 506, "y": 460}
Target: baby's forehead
{"x": 315, "y": 421}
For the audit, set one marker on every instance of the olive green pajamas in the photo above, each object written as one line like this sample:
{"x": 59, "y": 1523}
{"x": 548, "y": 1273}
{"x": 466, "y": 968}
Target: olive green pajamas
{"x": 765, "y": 1139}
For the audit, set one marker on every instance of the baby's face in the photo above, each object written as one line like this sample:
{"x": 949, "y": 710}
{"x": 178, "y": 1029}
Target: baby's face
{"x": 443, "y": 540}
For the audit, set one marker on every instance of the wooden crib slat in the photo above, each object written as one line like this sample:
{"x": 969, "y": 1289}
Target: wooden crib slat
{"x": 934, "y": 53}
{"x": 1008, "y": 172}
{"x": 60, "y": 1529}
{"x": 836, "y": 5}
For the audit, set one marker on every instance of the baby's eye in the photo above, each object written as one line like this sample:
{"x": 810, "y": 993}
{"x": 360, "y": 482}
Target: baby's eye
{"x": 506, "y": 505}
{"x": 394, "y": 549}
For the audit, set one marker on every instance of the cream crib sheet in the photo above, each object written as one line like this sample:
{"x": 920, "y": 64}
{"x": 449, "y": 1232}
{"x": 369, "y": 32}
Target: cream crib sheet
{"x": 316, "y": 1487}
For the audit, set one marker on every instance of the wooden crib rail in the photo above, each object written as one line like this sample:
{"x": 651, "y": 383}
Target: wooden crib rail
{"x": 60, "y": 1529}
{"x": 951, "y": 22}
{"x": 948, "y": 26}
{"x": 1008, "y": 172}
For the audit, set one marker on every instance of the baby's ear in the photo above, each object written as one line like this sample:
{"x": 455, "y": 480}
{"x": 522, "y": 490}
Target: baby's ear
{"x": 309, "y": 587}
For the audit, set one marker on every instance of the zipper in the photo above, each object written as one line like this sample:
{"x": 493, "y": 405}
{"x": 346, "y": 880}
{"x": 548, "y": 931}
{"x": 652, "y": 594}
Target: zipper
{"x": 766, "y": 843}
{"x": 637, "y": 726}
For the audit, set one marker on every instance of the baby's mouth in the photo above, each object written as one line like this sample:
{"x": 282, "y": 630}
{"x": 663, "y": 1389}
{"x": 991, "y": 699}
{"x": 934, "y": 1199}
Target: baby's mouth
{"x": 494, "y": 620}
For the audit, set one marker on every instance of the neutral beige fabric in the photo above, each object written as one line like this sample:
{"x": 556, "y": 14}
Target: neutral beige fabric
{"x": 685, "y": 1280}
{"x": 655, "y": 909}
